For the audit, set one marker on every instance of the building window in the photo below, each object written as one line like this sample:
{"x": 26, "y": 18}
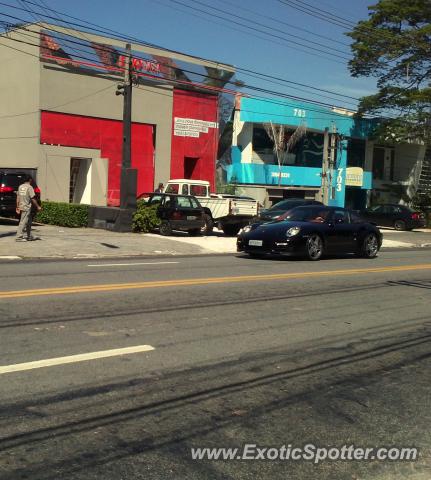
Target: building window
{"x": 356, "y": 153}
{"x": 306, "y": 152}
{"x": 392, "y": 167}
{"x": 378, "y": 163}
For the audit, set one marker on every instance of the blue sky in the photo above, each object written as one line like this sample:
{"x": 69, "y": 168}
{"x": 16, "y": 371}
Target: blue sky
{"x": 182, "y": 25}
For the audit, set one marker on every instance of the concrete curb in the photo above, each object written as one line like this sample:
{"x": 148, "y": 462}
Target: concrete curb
{"x": 17, "y": 258}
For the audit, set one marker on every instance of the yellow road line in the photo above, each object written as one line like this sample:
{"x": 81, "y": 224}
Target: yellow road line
{"x": 204, "y": 281}
{"x": 82, "y": 357}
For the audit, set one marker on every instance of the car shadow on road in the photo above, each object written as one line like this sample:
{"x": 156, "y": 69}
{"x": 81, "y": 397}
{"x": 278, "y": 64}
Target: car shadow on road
{"x": 294, "y": 259}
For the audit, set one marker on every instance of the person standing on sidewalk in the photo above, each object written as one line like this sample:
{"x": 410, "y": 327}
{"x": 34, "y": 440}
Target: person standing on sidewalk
{"x": 25, "y": 198}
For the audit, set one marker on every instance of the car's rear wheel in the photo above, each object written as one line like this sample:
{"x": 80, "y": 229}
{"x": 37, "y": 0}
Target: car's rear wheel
{"x": 400, "y": 225}
{"x": 208, "y": 226}
{"x": 314, "y": 247}
{"x": 194, "y": 232}
{"x": 165, "y": 228}
{"x": 370, "y": 246}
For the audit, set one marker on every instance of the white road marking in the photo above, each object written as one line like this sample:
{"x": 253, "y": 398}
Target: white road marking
{"x": 10, "y": 257}
{"x": 82, "y": 357}
{"x": 129, "y": 264}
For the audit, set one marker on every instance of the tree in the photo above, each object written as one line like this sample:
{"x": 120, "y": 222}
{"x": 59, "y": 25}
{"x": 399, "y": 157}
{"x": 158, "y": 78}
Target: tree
{"x": 281, "y": 143}
{"x": 394, "y": 45}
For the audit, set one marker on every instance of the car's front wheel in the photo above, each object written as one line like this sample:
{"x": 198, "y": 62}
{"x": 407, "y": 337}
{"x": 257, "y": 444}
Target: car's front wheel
{"x": 370, "y": 246}
{"x": 314, "y": 247}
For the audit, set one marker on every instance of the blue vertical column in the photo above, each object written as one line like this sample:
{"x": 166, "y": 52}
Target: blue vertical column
{"x": 338, "y": 184}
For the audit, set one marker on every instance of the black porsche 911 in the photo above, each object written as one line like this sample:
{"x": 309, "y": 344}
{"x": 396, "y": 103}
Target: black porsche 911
{"x": 312, "y": 231}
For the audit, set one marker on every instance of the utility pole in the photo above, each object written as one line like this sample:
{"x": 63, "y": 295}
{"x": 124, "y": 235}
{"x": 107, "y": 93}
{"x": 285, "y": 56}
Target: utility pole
{"x": 332, "y": 157}
{"x": 114, "y": 218}
{"x": 128, "y": 181}
{"x": 325, "y": 168}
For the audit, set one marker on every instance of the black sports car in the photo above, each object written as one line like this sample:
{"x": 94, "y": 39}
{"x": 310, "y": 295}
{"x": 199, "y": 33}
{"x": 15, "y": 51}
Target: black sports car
{"x": 279, "y": 209}
{"x": 312, "y": 231}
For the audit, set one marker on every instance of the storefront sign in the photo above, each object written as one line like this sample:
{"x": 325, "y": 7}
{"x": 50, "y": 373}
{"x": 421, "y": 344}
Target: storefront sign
{"x": 354, "y": 177}
{"x": 278, "y": 174}
{"x": 190, "y": 127}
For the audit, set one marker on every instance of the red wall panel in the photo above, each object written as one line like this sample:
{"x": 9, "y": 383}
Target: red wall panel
{"x": 195, "y": 106}
{"x": 107, "y": 136}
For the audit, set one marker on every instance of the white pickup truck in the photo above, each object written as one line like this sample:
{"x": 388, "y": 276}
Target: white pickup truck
{"x": 229, "y": 213}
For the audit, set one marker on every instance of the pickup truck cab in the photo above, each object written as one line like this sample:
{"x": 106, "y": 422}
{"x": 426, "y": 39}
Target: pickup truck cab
{"x": 229, "y": 213}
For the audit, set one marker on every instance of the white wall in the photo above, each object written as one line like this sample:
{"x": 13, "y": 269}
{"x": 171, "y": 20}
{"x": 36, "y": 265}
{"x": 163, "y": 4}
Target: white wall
{"x": 19, "y": 103}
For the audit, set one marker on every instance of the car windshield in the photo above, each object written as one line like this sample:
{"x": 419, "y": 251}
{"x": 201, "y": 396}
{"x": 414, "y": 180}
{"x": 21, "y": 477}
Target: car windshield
{"x": 173, "y": 188}
{"x": 318, "y": 215}
{"x": 284, "y": 205}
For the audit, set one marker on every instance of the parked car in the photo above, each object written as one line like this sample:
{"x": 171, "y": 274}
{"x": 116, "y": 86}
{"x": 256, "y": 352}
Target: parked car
{"x": 392, "y": 215}
{"x": 9, "y": 183}
{"x": 278, "y": 209}
{"x": 312, "y": 231}
{"x": 178, "y": 212}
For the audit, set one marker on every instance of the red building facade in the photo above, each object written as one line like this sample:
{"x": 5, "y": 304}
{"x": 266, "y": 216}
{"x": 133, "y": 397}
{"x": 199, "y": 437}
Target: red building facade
{"x": 193, "y": 144}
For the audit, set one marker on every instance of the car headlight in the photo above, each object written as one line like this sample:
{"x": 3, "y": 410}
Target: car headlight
{"x": 246, "y": 229}
{"x": 293, "y": 231}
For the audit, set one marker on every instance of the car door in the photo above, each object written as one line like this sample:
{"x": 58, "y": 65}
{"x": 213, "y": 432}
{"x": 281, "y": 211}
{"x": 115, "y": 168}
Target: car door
{"x": 196, "y": 210}
{"x": 394, "y": 213}
{"x": 340, "y": 232}
{"x": 374, "y": 214}
{"x": 158, "y": 201}
{"x": 386, "y": 219}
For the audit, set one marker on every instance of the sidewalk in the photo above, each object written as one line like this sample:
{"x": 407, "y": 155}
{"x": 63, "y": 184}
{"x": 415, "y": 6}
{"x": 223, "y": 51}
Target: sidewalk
{"x": 60, "y": 242}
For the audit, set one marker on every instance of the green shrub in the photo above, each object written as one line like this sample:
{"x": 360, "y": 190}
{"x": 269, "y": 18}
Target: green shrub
{"x": 63, "y": 214}
{"x": 145, "y": 218}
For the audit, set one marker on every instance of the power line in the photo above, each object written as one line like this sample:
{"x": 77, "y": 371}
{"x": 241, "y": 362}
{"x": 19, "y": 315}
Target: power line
{"x": 277, "y": 20}
{"x": 234, "y": 22}
{"x": 213, "y": 22}
{"x": 123, "y": 36}
{"x": 283, "y": 84}
{"x": 266, "y": 76}
{"x": 268, "y": 100}
{"x": 269, "y": 27}
{"x": 314, "y": 13}
{"x": 250, "y": 87}
{"x": 304, "y": 4}
{"x": 296, "y": 83}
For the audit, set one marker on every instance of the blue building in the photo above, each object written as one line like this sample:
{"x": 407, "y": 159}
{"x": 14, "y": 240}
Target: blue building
{"x": 362, "y": 172}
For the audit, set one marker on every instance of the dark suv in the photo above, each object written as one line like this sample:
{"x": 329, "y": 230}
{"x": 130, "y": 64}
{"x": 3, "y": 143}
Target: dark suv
{"x": 9, "y": 183}
{"x": 277, "y": 210}
{"x": 178, "y": 212}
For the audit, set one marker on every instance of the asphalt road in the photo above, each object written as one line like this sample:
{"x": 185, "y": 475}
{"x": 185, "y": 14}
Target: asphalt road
{"x": 229, "y": 351}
